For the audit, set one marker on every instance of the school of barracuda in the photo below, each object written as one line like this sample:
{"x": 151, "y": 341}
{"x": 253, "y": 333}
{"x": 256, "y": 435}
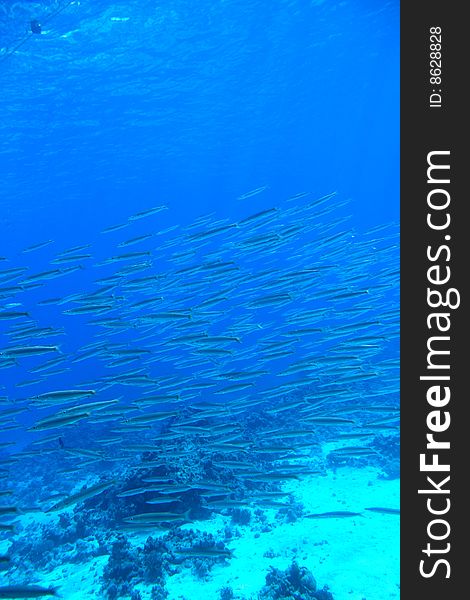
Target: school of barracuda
{"x": 288, "y": 312}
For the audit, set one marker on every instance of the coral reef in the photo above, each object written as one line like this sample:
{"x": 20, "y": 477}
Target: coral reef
{"x": 388, "y": 446}
{"x": 240, "y": 516}
{"x": 44, "y": 545}
{"x": 296, "y": 583}
{"x": 123, "y": 567}
{"x": 159, "y": 558}
{"x": 158, "y": 592}
{"x": 385, "y": 455}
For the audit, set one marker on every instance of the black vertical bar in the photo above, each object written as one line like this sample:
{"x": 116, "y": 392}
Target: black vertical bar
{"x": 433, "y": 119}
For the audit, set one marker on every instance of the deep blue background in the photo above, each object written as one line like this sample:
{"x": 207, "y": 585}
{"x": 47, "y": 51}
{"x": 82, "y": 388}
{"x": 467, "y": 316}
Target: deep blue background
{"x": 118, "y": 107}
{"x": 190, "y": 104}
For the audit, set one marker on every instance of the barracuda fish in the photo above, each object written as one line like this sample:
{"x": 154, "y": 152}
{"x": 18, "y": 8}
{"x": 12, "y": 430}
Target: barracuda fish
{"x": 20, "y": 351}
{"x": 336, "y": 514}
{"x": 45, "y": 440}
{"x": 135, "y": 240}
{"x": 354, "y": 435}
{"x": 92, "y": 308}
{"x": 155, "y": 517}
{"x": 9, "y": 510}
{"x": 44, "y": 276}
{"x": 353, "y": 451}
{"x": 330, "y": 420}
{"x": 37, "y": 246}
{"x": 6, "y": 315}
{"x": 214, "y": 351}
{"x": 234, "y": 388}
{"x": 192, "y": 429}
{"x": 114, "y": 228}
{"x": 82, "y": 495}
{"x": 133, "y": 492}
{"x": 156, "y": 416}
{"x": 89, "y": 406}
{"x": 252, "y": 193}
{"x": 84, "y": 452}
{"x": 47, "y": 365}
{"x": 75, "y": 249}
{"x": 272, "y": 504}
{"x": 13, "y": 271}
{"x": 58, "y": 421}
{"x": 270, "y": 212}
{"x": 127, "y": 256}
{"x": 147, "y": 213}
{"x": 211, "y": 232}
{"x": 158, "y": 399}
{"x": 70, "y": 258}
{"x": 26, "y": 591}
{"x": 383, "y": 510}
{"x": 148, "y": 302}
{"x": 12, "y": 411}
{"x": 195, "y": 552}
{"x": 62, "y": 395}
{"x": 10, "y": 291}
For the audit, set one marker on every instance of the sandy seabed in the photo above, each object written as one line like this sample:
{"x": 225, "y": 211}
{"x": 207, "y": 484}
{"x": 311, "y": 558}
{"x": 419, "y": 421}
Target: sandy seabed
{"x": 357, "y": 557}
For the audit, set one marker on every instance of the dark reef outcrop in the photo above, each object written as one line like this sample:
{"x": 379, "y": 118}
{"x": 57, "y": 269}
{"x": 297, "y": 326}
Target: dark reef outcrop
{"x": 295, "y": 583}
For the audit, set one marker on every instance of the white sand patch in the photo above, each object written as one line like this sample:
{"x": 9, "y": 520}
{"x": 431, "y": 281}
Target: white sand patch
{"x": 77, "y": 581}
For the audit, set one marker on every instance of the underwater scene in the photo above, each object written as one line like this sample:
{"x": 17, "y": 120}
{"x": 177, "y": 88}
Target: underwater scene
{"x": 199, "y": 300}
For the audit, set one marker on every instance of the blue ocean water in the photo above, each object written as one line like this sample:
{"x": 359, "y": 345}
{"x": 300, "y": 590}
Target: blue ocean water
{"x": 241, "y": 325}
